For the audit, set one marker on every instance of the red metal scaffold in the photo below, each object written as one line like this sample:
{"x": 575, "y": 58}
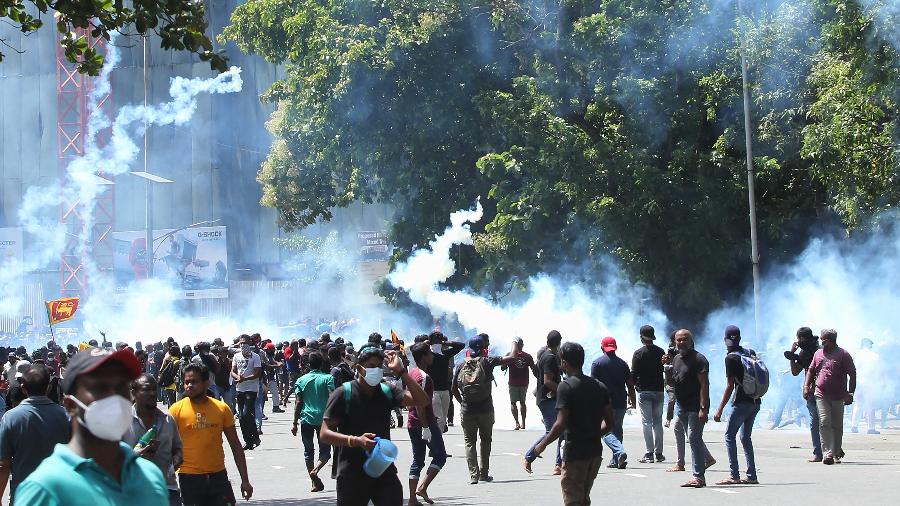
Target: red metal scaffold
{"x": 73, "y": 94}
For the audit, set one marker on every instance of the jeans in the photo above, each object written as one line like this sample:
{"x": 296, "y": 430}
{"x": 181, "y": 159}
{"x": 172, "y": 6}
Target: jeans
{"x": 651, "y": 406}
{"x": 614, "y": 437}
{"x": 548, "y": 413}
{"x": 477, "y": 425}
{"x": 691, "y": 421}
{"x": 246, "y": 403}
{"x": 274, "y": 394}
{"x": 814, "y": 426}
{"x": 831, "y": 425}
{"x": 577, "y": 480}
{"x": 680, "y": 437}
{"x": 436, "y": 445}
{"x": 228, "y": 397}
{"x": 307, "y": 434}
{"x": 742, "y": 419}
{"x": 258, "y": 409}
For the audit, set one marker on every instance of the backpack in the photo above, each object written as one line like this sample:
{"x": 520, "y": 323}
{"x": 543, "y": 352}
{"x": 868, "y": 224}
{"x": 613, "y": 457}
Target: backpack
{"x": 756, "y": 374}
{"x": 167, "y": 374}
{"x": 472, "y": 381}
{"x": 386, "y": 390}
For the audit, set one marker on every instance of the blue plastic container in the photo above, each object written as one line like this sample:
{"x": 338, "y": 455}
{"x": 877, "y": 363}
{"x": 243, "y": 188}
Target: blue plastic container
{"x": 380, "y": 458}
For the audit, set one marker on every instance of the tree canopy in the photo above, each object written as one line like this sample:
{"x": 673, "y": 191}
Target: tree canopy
{"x": 180, "y": 24}
{"x": 591, "y": 129}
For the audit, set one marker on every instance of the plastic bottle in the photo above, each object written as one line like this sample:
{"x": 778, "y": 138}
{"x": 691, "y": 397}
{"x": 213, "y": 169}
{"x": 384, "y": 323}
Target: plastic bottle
{"x": 148, "y": 436}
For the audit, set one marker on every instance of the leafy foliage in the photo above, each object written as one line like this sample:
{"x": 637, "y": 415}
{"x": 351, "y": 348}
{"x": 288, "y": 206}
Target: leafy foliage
{"x": 312, "y": 259}
{"x": 591, "y": 129}
{"x": 181, "y": 24}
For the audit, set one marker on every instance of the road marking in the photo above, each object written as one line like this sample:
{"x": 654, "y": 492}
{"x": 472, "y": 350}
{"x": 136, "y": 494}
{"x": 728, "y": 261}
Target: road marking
{"x": 248, "y": 457}
{"x": 724, "y": 491}
{"x": 636, "y": 475}
{"x": 512, "y": 454}
{"x": 277, "y": 467}
{"x": 460, "y": 445}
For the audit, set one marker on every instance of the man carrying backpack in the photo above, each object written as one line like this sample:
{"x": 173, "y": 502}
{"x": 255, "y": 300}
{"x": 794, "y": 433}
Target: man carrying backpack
{"x": 748, "y": 379}
{"x": 472, "y": 389}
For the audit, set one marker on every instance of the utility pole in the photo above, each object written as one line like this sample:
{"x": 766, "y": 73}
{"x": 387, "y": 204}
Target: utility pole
{"x": 751, "y": 182}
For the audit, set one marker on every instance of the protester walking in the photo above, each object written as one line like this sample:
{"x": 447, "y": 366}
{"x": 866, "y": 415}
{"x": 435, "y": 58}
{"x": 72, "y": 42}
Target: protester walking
{"x": 549, "y": 376}
{"x": 647, "y": 373}
{"x": 245, "y": 372}
{"x": 519, "y": 376}
{"x": 472, "y": 389}
{"x": 689, "y": 375}
{"x": 614, "y": 373}
{"x": 742, "y": 371}
{"x": 164, "y": 448}
{"x": 830, "y": 370}
{"x": 311, "y": 393}
{"x": 581, "y": 402}
{"x": 357, "y": 416}
{"x": 440, "y": 370}
{"x": 424, "y": 431}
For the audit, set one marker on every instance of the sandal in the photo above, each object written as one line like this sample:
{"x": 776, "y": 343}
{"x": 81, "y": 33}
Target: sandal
{"x": 676, "y": 469}
{"x": 729, "y": 481}
{"x": 694, "y": 483}
{"x": 749, "y": 481}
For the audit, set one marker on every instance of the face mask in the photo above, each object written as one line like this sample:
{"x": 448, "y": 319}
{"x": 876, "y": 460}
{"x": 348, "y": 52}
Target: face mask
{"x": 108, "y": 418}
{"x": 437, "y": 349}
{"x": 373, "y": 375}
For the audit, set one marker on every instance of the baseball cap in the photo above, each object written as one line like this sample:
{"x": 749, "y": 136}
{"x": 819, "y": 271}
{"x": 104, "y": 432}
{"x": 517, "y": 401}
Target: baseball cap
{"x": 22, "y": 367}
{"x": 647, "y": 332}
{"x": 608, "y": 344}
{"x": 85, "y": 362}
{"x": 732, "y": 335}
{"x": 270, "y": 346}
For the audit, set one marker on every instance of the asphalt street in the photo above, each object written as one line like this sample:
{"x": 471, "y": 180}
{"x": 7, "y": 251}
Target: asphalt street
{"x": 870, "y": 473}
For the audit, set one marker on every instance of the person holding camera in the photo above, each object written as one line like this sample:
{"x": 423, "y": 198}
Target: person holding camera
{"x": 800, "y": 357}
{"x": 829, "y": 371}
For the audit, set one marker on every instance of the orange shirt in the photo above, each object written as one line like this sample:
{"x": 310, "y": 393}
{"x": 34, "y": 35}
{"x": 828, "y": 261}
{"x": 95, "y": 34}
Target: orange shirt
{"x": 201, "y": 426}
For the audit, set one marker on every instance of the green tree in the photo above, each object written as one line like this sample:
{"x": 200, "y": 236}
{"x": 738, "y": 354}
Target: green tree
{"x": 180, "y": 24}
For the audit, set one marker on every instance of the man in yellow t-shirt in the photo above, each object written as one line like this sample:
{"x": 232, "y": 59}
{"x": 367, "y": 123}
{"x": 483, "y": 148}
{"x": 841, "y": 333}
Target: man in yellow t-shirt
{"x": 201, "y": 422}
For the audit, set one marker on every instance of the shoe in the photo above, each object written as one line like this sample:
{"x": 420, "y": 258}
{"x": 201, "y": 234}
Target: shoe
{"x": 557, "y": 470}
{"x": 612, "y": 465}
{"x": 265, "y": 417}
{"x": 399, "y": 421}
{"x": 829, "y": 460}
{"x": 259, "y": 431}
{"x": 750, "y": 481}
{"x": 841, "y": 454}
{"x": 277, "y": 410}
{"x": 854, "y": 430}
{"x": 623, "y": 461}
{"x": 318, "y": 486}
{"x": 487, "y": 478}
{"x": 450, "y": 424}
{"x": 660, "y": 457}
{"x": 872, "y": 431}
{"x": 518, "y": 427}
{"x": 647, "y": 459}
{"x": 473, "y": 481}
{"x": 248, "y": 447}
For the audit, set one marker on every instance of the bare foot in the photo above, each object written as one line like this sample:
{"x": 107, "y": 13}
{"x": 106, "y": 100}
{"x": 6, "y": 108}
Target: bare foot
{"x": 424, "y": 495}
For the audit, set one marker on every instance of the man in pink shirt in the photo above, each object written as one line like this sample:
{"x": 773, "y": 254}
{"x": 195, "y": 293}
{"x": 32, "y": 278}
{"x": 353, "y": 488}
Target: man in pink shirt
{"x": 829, "y": 370}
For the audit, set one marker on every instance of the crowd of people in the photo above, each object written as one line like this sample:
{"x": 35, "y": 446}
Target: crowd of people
{"x": 148, "y": 424}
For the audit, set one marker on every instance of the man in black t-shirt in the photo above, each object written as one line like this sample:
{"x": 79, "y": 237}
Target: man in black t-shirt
{"x": 689, "y": 375}
{"x": 745, "y": 410}
{"x": 439, "y": 371}
{"x": 549, "y": 376}
{"x": 584, "y": 416}
{"x": 352, "y": 427}
{"x": 647, "y": 371}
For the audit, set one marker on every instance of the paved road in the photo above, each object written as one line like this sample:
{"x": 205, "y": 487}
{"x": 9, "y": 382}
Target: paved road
{"x": 870, "y": 473}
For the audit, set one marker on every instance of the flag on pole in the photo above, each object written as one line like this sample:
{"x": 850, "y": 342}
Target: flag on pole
{"x": 396, "y": 341}
{"x": 61, "y": 310}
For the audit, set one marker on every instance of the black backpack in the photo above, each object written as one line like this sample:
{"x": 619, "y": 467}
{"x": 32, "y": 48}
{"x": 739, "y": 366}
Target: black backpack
{"x": 167, "y": 374}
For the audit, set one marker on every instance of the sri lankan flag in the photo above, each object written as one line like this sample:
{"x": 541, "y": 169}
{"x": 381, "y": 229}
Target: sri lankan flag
{"x": 61, "y": 310}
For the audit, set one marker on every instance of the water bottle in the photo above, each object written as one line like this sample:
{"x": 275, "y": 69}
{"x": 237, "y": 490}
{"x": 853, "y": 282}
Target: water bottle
{"x": 380, "y": 458}
{"x": 146, "y": 438}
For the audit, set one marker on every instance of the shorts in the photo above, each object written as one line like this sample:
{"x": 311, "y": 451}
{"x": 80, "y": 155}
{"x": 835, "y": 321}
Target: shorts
{"x": 206, "y": 489}
{"x": 517, "y": 394}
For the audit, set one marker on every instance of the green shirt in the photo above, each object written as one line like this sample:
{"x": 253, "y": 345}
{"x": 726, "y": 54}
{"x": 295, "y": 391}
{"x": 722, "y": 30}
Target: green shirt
{"x": 315, "y": 387}
{"x": 65, "y": 478}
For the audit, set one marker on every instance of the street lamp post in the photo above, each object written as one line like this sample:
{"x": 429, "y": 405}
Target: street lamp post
{"x": 751, "y": 182}
{"x": 150, "y": 178}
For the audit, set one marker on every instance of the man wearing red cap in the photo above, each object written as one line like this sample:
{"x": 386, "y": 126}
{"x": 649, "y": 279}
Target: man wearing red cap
{"x": 96, "y": 468}
{"x": 614, "y": 372}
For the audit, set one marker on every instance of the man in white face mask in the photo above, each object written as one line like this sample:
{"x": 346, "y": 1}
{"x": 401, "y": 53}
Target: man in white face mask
{"x": 96, "y": 468}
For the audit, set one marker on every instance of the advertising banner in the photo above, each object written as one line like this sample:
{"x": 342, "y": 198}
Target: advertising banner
{"x": 193, "y": 260}
{"x": 373, "y": 247}
{"x": 10, "y": 246}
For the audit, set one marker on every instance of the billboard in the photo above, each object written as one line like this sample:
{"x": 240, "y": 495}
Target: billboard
{"x": 193, "y": 260}
{"x": 373, "y": 246}
{"x": 10, "y": 247}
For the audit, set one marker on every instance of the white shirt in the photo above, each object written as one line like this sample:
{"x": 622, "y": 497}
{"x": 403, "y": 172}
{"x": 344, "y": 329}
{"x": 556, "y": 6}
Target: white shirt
{"x": 244, "y": 367}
